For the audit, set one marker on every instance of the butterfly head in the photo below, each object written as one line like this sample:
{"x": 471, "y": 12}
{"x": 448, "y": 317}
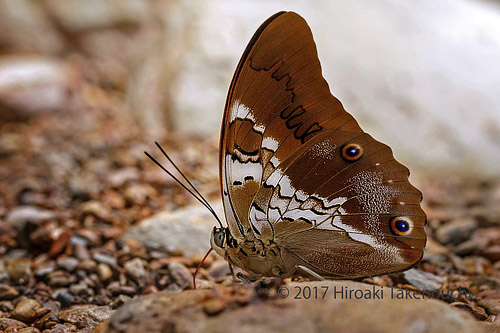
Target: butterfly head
{"x": 218, "y": 240}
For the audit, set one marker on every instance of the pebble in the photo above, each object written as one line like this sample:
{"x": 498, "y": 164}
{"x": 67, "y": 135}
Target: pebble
{"x": 87, "y": 265}
{"x": 8, "y": 292}
{"x": 219, "y": 269}
{"x": 492, "y": 253}
{"x": 81, "y": 289}
{"x": 492, "y": 306}
{"x": 26, "y": 310}
{"x": 105, "y": 259}
{"x": 83, "y": 316}
{"x": 419, "y": 279}
{"x": 60, "y": 243}
{"x": 7, "y": 322}
{"x": 213, "y": 306}
{"x": 90, "y": 236}
{"x": 19, "y": 270}
{"x": 68, "y": 263}
{"x": 456, "y": 231}
{"x": 104, "y": 271}
{"x": 4, "y": 276}
{"x": 119, "y": 301}
{"x": 135, "y": 269}
{"x": 475, "y": 265}
{"x": 477, "y": 311}
{"x": 21, "y": 215}
{"x": 47, "y": 321}
{"x": 81, "y": 251}
{"x": 60, "y": 279}
{"x": 45, "y": 269}
{"x": 65, "y": 298}
{"x": 181, "y": 274}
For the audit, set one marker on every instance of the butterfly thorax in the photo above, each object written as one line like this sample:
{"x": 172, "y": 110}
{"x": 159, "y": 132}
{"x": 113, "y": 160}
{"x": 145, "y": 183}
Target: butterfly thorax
{"x": 249, "y": 253}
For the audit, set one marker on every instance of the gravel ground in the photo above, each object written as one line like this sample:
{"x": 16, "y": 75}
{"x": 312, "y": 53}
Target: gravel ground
{"x": 72, "y": 184}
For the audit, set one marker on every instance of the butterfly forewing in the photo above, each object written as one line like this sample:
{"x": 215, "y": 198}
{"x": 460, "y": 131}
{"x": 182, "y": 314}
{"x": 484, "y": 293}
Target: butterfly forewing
{"x": 277, "y": 101}
{"x": 297, "y": 170}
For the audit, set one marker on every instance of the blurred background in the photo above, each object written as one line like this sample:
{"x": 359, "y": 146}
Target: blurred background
{"x": 423, "y": 77}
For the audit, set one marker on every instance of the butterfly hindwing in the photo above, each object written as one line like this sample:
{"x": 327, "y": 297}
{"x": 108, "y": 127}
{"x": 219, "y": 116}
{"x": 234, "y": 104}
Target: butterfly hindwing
{"x": 297, "y": 170}
{"x": 318, "y": 202}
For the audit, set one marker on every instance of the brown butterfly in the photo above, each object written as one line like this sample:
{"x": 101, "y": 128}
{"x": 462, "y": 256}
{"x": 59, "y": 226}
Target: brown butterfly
{"x": 305, "y": 190}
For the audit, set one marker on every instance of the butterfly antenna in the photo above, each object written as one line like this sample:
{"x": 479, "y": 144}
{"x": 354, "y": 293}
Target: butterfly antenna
{"x": 182, "y": 174}
{"x": 198, "y": 197}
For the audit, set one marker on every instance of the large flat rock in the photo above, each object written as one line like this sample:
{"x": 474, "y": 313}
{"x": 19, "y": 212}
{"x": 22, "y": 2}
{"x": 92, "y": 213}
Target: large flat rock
{"x": 240, "y": 309}
{"x": 187, "y": 230}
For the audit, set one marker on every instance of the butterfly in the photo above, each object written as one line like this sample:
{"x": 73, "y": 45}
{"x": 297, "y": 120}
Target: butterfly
{"x": 305, "y": 190}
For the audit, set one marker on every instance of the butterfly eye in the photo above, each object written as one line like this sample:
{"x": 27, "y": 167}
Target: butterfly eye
{"x": 401, "y": 225}
{"x": 219, "y": 236}
{"x": 352, "y": 152}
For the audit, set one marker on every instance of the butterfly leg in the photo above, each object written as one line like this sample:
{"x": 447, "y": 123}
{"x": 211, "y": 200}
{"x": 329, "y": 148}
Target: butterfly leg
{"x": 308, "y": 271}
{"x": 247, "y": 278}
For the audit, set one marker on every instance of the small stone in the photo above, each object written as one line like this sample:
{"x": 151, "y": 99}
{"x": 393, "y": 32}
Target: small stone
{"x": 8, "y": 292}
{"x": 4, "y": 276}
{"x": 492, "y": 253}
{"x": 90, "y": 236}
{"x": 19, "y": 270}
{"x": 83, "y": 316}
{"x": 114, "y": 287}
{"x": 456, "y": 231}
{"x": 46, "y": 268}
{"x": 219, "y": 269}
{"x": 81, "y": 251}
{"x": 60, "y": 243}
{"x": 213, "y": 306}
{"x": 47, "y": 321}
{"x": 6, "y": 306}
{"x": 68, "y": 263}
{"x": 81, "y": 289}
{"x": 477, "y": 311}
{"x": 7, "y": 322}
{"x": 104, "y": 271}
{"x": 88, "y": 265}
{"x": 60, "y": 279}
{"x": 26, "y": 310}
{"x": 119, "y": 301}
{"x": 21, "y": 215}
{"x": 470, "y": 246}
{"x": 121, "y": 176}
{"x": 135, "y": 269}
{"x": 149, "y": 290}
{"x": 475, "y": 265}
{"x": 489, "y": 294}
{"x": 421, "y": 280}
{"x": 492, "y": 306}
{"x": 181, "y": 274}
{"x": 65, "y": 298}
{"x": 96, "y": 209}
{"x": 105, "y": 259}
{"x": 128, "y": 290}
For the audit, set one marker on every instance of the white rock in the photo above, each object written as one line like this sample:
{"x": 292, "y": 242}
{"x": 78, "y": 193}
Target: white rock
{"x": 186, "y": 229}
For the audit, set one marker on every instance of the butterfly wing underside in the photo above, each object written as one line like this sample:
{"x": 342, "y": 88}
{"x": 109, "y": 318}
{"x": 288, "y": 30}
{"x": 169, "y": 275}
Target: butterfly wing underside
{"x": 277, "y": 101}
{"x": 282, "y": 174}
